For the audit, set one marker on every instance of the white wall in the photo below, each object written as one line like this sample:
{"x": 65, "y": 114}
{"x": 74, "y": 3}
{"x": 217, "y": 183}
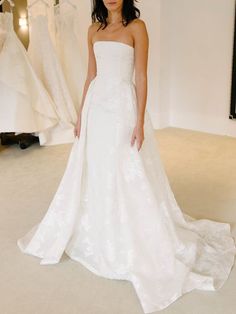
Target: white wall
{"x": 197, "y": 91}
{"x": 150, "y": 13}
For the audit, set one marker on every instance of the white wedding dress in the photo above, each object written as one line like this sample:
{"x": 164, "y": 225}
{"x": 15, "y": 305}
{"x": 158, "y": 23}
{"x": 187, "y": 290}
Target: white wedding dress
{"x": 45, "y": 61}
{"x": 68, "y": 46}
{"x": 25, "y": 105}
{"x": 114, "y": 210}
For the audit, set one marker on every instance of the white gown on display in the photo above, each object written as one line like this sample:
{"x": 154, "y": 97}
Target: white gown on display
{"x": 46, "y": 64}
{"x": 25, "y": 105}
{"x": 114, "y": 210}
{"x": 69, "y": 51}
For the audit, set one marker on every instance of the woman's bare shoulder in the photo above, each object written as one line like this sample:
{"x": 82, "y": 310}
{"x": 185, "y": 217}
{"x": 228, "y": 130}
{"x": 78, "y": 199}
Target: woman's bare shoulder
{"x": 93, "y": 27}
{"x": 138, "y": 24}
{"x": 139, "y": 31}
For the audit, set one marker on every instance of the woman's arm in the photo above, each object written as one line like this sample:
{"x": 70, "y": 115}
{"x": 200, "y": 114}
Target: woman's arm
{"x": 141, "y": 45}
{"x": 91, "y": 73}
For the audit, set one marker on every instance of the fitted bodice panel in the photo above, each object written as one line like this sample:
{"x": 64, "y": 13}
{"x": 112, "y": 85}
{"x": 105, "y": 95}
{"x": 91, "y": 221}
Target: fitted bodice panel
{"x": 115, "y": 60}
{"x": 65, "y": 20}
{"x": 6, "y": 27}
{"x": 6, "y": 21}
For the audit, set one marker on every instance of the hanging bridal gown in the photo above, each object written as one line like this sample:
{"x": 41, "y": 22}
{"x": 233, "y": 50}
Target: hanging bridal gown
{"x": 67, "y": 34}
{"x": 25, "y": 106}
{"x": 46, "y": 64}
{"x": 114, "y": 210}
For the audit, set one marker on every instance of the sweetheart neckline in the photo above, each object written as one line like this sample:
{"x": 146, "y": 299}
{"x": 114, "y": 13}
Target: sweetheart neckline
{"x": 113, "y": 41}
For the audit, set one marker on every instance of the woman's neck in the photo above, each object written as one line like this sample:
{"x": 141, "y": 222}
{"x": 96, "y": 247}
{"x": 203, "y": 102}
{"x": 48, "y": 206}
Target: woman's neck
{"x": 114, "y": 17}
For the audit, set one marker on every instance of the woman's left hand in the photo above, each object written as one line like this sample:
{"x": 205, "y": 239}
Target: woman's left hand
{"x": 138, "y": 136}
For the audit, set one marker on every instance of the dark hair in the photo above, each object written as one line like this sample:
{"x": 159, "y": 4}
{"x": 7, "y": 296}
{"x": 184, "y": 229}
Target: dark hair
{"x": 100, "y": 12}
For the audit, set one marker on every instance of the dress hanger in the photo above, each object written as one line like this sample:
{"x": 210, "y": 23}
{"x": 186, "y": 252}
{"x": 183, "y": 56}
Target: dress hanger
{"x": 45, "y": 2}
{"x": 12, "y": 4}
{"x": 67, "y": 2}
{"x": 36, "y": 1}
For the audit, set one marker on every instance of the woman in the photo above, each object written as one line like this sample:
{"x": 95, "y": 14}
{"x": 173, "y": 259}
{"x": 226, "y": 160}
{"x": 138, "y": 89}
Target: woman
{"x": 114, "y": 210}
{"x": 131, "y": 31}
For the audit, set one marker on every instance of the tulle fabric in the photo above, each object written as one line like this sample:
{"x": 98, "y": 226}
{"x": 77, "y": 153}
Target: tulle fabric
{"x": 25, "y": 105}
{"x": 44, "y": 59}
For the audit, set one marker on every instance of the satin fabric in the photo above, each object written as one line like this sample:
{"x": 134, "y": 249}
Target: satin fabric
{"x": 25, "y": 105}
{"x": 45, "y": 61}
{"x": 114, "y": 210}
{"x": 68, "y": 47}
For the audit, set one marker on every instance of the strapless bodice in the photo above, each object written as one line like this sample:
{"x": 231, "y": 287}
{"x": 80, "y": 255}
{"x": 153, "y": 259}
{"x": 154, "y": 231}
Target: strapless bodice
{"x": 6, "y": 27}
{"x": 6, "y": 21}
{"x": 115, "y": 60}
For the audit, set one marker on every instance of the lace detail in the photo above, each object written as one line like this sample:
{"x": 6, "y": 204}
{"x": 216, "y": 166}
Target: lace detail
{"x": 114, "y": 210}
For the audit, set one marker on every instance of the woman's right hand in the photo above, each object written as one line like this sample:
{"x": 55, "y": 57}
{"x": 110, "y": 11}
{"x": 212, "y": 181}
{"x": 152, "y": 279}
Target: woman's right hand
{"x": 78, "y": 126}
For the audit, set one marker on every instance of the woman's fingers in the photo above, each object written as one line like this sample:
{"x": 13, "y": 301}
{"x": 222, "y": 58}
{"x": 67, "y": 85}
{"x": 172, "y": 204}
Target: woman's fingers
{"x": 138, "y": 138}
{"x": 132, "y": 140}
{"x": 139, "y": 144}
{"x": 77, "y": 131}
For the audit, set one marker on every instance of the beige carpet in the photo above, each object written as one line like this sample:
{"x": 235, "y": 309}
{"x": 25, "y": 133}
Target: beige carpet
{"x": 202, "y": 172}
